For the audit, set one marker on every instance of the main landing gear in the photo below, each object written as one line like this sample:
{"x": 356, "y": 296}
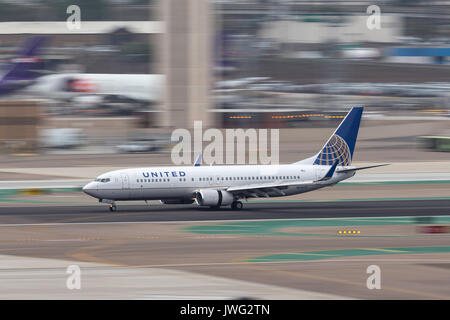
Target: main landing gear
{"x": 112, "y": 207}
{"x": 237, "y": 205}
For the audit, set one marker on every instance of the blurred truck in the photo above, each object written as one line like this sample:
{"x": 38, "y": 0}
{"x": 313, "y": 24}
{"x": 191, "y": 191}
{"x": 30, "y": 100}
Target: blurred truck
{"x": 62, "y": 138}
{"x": 435, "y": 143}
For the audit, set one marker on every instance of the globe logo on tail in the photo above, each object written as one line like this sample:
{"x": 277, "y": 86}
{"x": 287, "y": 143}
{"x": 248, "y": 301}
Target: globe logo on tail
{"x": 335, "y": 149}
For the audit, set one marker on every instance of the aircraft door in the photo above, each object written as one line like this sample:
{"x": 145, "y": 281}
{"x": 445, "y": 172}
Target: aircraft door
{"x": 125, "y": 184}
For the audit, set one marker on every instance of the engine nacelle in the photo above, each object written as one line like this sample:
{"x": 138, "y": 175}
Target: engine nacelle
{"x": 177, "y": 201}
{"x": 213, "y": 198}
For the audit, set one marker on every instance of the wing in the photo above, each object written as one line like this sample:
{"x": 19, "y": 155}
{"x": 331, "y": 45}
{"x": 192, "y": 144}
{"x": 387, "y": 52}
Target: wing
{"x": 276, "y": 189}
{"x": 272, "y": 189}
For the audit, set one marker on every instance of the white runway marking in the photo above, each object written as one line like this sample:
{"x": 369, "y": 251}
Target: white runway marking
{"x": 359, "y": 219}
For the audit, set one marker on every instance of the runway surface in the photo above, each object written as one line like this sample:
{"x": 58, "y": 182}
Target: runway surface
{"x": 261, "y": 210}
{"x": 272, "y": 250}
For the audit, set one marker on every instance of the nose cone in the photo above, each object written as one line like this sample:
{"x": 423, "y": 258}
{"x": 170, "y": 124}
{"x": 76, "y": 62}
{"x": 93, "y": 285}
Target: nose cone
{"x": 90, "y": 189}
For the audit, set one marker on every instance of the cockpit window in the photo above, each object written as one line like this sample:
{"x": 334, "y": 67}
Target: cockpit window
{"x": 104, "y": 180}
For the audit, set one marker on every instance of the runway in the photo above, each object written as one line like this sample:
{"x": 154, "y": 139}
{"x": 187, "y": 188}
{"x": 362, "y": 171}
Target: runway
{"x": 252, "y": 211}
{"x": 281, "y": 249}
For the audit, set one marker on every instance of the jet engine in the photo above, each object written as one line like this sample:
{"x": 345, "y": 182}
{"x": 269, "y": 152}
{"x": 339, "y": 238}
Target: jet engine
{"x": 213, "y": 198}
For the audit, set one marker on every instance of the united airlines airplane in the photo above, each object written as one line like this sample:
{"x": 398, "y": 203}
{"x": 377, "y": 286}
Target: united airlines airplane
{"x": 217, "y": 186}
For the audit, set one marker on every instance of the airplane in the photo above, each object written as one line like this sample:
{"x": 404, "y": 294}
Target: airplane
{"x": 134, "y": 87}
{"x": 22, "y": 71}
{"x": 23, "y": 75}
{"x": 218, "y": 186}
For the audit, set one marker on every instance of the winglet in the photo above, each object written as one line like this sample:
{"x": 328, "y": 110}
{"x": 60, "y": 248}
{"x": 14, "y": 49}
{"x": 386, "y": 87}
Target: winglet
{"x": 198, "y": 161}
{"x": 330, "y": 172}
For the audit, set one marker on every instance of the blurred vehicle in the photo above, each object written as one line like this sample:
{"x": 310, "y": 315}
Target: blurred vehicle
{"x": 361, "y": 53}
{"x": 62, "y": 138}
{"x": 145, "y": 142}
{"x": 434, "y": 143}
{"x": 102, "y": 48}
{"x": 270, "y": 86}
{"x": 226, "y": 84}
{"x": 137, "y": 146}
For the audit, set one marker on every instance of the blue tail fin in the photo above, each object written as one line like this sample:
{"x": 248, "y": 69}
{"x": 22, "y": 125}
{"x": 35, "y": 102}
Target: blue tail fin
{"x": 341, "y": 144}
{"x": 28, "y": 59}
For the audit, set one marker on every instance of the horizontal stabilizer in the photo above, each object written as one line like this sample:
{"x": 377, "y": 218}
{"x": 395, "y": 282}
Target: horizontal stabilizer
{"x": 362, "y": 168}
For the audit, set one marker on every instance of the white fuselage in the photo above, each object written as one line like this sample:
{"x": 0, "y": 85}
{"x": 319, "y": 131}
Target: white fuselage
{"x": 144, "y": 87}
{"x": 166, "y": 183}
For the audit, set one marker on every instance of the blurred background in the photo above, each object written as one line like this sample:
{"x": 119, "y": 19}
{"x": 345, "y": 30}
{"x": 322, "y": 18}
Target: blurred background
{"x": 78, "y": 102}
{"x": 137, "y": 69}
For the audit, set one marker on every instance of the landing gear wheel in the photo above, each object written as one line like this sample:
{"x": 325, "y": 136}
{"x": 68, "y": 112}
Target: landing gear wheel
{"x": 237, "y": 205}
{"x": 113, "y": 208}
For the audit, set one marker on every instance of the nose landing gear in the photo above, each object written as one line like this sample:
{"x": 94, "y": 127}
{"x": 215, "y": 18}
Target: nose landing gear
{"x": 112, "y": 204}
